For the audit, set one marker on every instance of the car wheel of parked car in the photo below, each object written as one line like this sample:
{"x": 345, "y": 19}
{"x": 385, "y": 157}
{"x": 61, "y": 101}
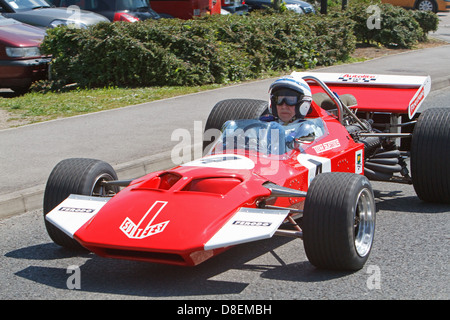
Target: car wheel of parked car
{"x": 75, "y": 176}
{"x": 339, "y": 221}
{"x": 20, "y": 90}
{"x": 426, "y": 5}
{"x": 430, "y": 151}
{"x": 233, "y": 109}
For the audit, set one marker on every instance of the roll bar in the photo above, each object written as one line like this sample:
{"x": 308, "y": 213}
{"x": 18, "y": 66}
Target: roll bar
{"x": 340, "y": 106}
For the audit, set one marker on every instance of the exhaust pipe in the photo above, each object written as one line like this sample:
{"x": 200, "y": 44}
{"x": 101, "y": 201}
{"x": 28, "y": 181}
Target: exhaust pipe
{"x": 383, "y": 167}
{"x": 377, "y": 176}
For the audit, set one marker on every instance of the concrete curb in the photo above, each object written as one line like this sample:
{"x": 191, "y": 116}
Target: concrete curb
{"x": 29, "y": 199}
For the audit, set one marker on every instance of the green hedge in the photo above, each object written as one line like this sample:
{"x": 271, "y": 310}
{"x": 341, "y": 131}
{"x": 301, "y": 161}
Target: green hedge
{"x": 398, "y": 27}
{"x": 220, "y": 48}
{"x": 214, "y": 49}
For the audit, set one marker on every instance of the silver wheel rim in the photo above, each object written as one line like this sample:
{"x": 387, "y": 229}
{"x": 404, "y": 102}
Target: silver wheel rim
{"x": 426, "y": 6}
{"x": 98, "y": 189}
{"x": 364, "y": 223}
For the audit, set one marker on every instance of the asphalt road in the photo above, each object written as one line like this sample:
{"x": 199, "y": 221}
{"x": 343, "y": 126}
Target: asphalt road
{"x": 409, "y": 260}
{"x": 443, "y": 31}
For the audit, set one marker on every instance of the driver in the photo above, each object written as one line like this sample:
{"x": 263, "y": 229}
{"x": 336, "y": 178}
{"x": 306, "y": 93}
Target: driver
{"x": 290, "y": 101}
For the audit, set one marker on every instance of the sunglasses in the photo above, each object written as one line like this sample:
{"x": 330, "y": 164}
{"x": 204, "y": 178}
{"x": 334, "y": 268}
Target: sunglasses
{"x": 289, "y": 100}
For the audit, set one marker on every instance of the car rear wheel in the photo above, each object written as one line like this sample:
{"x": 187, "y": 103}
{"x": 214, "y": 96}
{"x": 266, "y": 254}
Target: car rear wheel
{"x": 339, "y": 221}
{"x": 75, "y": 176}
{"x": 233, "y": 109}
{"x": 430, "y": 151}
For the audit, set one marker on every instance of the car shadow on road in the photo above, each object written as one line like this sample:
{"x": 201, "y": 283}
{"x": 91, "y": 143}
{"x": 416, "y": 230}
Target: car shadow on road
{"x": 47, "y": 251}
{"x": 394, "y": 201}
{"x": 132, "y": 278}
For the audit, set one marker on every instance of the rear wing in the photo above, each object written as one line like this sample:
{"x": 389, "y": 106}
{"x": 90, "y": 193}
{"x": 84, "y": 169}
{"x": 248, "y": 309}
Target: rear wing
{"x": 376, "y": 92}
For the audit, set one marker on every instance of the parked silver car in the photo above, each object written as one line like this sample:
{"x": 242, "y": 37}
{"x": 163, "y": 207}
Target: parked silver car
{"x": 294, "y": 5}
{"x": 40, "y": 13}
{"x": 114, "y": 10}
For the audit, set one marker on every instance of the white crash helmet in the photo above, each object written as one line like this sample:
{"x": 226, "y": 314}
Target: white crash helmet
{"x": 291, "y": 86}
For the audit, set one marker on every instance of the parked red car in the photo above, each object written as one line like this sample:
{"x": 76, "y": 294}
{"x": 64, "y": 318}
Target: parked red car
{"x": 21, "y": 62}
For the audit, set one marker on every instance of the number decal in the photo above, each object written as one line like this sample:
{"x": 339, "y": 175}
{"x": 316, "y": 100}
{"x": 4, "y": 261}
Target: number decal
{"x": 314, "y": 164}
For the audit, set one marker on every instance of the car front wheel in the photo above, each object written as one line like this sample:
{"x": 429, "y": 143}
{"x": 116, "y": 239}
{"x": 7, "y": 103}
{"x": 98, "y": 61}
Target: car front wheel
{"x": 75, "y": 176}
{"x": 339, "y": 221}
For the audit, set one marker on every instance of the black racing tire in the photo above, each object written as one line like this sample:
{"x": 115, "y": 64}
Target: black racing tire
{"x": 339, "y": 221}
{"x": 75, "y": 176}
{"x": 233, "y": 109}
{"x": 430, "y": 152}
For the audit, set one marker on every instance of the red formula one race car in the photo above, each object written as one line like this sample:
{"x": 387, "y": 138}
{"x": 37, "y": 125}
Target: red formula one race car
{"x": 308, "y": 179}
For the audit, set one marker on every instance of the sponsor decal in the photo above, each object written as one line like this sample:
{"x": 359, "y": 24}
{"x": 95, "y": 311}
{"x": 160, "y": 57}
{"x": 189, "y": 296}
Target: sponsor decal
{"x": 416, "y": 102}
{"x": 419, "y": 97}
{"x": 145, "y": 228}
{"x": 358, "y": 162}
{"x": 252, "y": 223}
{"x": 327, "y": 146}
{"x": 72, "y": 209}
{"x": 349, "y": 77}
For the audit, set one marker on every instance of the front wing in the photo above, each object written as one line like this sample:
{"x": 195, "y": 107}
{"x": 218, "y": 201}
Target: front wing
{"x": 246, "y": 225}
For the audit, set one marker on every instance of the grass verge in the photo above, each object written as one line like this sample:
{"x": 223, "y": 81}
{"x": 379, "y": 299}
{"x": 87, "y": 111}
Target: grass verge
{"x": 36, "y": 107}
